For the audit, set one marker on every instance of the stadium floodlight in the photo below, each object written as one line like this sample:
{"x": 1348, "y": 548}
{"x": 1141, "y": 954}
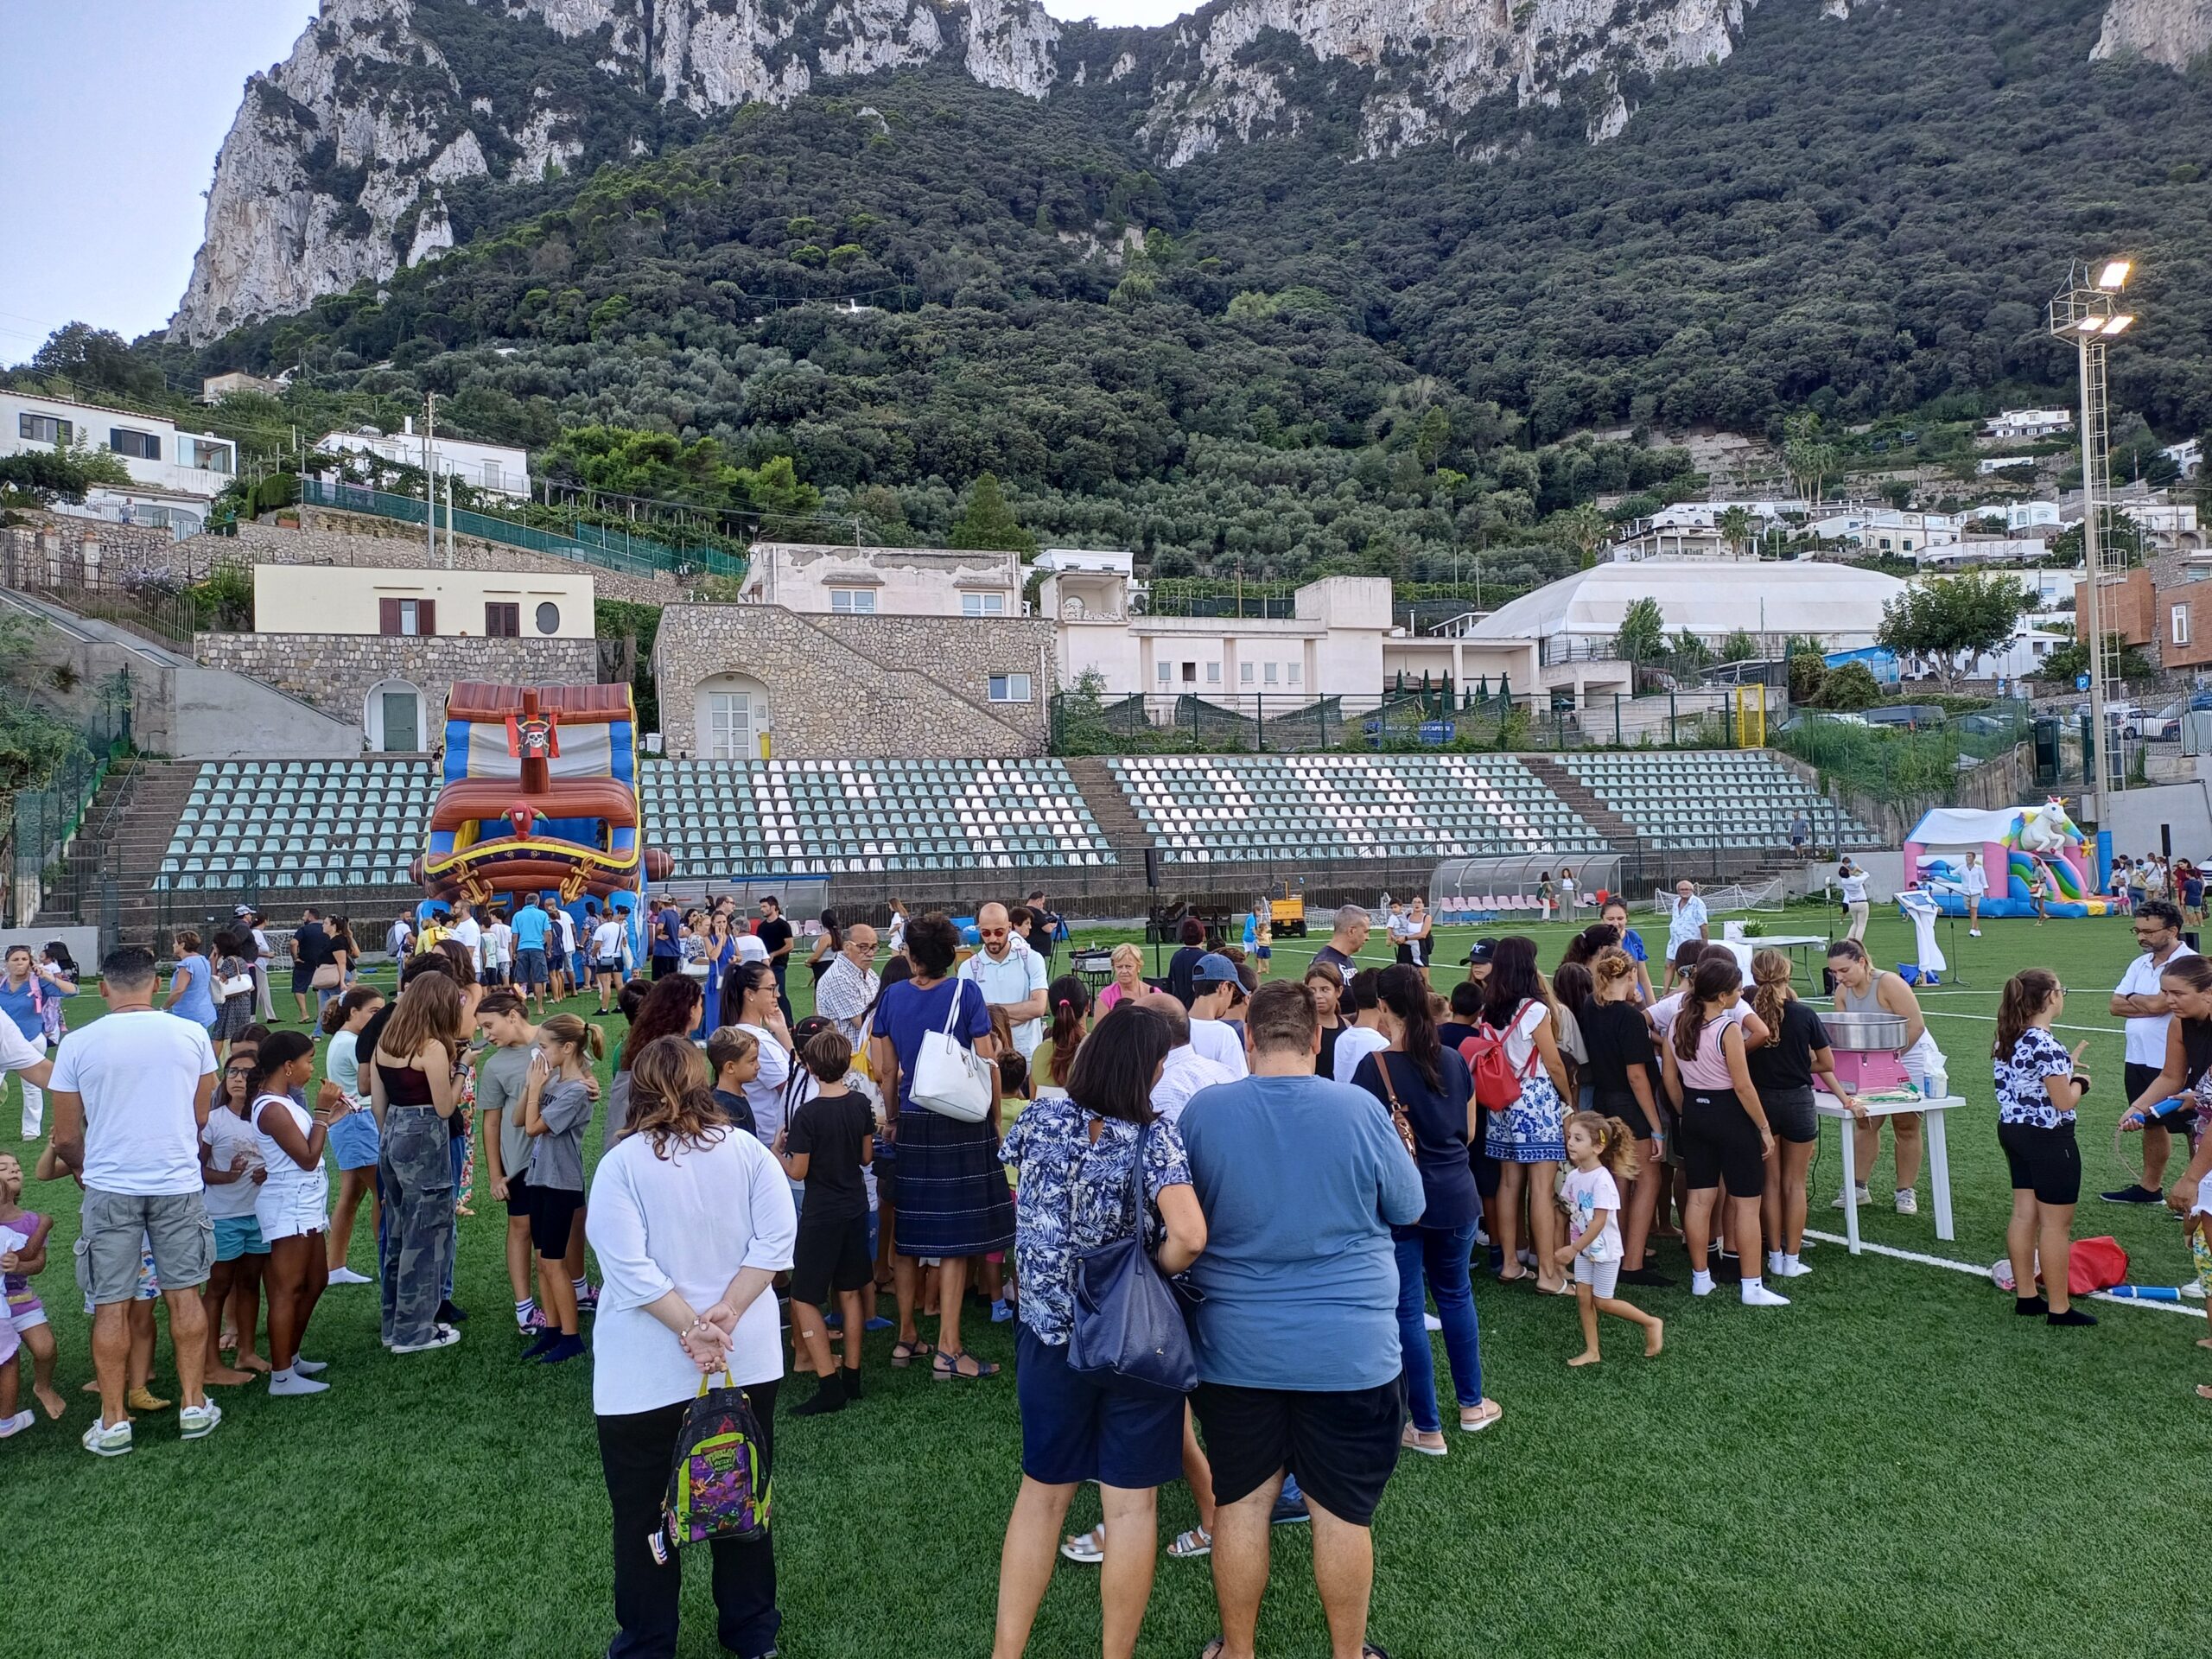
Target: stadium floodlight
{"x": 2087, "y": 312}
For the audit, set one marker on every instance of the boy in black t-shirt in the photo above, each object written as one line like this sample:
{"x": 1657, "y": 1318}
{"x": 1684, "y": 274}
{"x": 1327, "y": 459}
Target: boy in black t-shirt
{"x": 829, "y": 1140}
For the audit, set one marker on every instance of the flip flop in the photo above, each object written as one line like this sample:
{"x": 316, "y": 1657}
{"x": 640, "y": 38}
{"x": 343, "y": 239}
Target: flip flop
{"x": 904, "y": 1354}
{"x": 1213, "y": 1649}
{"x": 1086, "y": 1548}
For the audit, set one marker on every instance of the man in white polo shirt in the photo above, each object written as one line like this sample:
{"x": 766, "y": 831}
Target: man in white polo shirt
{"x": 2142, "y": 1003}
{"x": 1012, "y": 975}
{"x": 130, "y": 1096}
{"x": 1215, "y": 980}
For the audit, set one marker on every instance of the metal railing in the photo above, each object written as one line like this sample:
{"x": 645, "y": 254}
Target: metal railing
{"x": 43, "y": 822}
{"x": 611, "y": 549}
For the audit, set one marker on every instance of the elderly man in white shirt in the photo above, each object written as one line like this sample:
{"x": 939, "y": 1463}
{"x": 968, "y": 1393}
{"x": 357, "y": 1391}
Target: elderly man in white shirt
{"x": 1184, "y": 1071}
{"x": 1012, "y": 975}
{"x": 1688, "y": 921}
{"x": 848, "y": 986}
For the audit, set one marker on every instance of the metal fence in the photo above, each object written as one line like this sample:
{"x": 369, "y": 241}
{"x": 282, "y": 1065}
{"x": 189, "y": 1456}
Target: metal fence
{"x": 44, "y": 821}
{"x": 611, "y": 549}
{"x": 1410, "y": 720}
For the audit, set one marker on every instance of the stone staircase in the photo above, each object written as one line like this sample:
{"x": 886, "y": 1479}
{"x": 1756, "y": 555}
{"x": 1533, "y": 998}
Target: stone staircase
{"x": 1619, "y": 834}
{"x": 106, "y": 878}
{"x": 1111, "y": 807}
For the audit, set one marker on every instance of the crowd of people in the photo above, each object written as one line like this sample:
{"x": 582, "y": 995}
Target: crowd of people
{"x": 1549, "y": 1129}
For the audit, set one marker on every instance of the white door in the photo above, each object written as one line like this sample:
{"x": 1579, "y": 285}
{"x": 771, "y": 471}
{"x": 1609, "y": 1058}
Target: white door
{"x": 729, "y": 726}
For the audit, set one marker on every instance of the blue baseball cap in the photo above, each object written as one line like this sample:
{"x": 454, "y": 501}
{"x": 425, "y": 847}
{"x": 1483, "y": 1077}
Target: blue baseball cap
{"x": 1214, "y": 968}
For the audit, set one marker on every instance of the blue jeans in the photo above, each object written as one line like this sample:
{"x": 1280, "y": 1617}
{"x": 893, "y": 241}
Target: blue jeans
{"x": 1440, "y": 1255}
{"x": 457, "y": 1157}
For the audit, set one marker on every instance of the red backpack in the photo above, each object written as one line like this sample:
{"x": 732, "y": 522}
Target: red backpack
{"x": 1497, "y": 1084}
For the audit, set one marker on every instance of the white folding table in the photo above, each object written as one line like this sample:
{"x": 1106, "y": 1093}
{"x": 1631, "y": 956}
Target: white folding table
{"x": 1932, "y": 1111}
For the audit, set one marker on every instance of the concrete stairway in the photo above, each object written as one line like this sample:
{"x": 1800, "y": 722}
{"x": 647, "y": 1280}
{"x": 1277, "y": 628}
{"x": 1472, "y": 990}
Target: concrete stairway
{"x": 1111, "y": 807}
{"x": 126, "y": 834}
{"x": 1619, "y": 834}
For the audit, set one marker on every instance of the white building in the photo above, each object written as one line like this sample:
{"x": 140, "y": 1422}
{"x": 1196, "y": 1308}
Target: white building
{"x": 2030, "y": 423}
{"x": 1984, "y": 550}
{"x": 174, "y": 474}
{"x": 1691, "y": 530}
{"x": 1989, "y": 464}
{"x": 409, "y": 602}
{"x": 216, "y": 387}
{"x": 1889, "y": 530}
{"x": 2017, "y": 515}
{"x": 494, "y": 467}
{"x": 2166, "y": 524}
{"x": 2189, "y": 455}
{"x": 1571, "y": 624}
{"x": 820, "y": 580}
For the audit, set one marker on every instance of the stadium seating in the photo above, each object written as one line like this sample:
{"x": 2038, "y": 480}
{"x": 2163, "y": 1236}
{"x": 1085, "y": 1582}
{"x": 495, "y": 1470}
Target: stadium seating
{"x": 299, "y": 824}
{"x": 1206, "y": 809}
{"x": 717, "y": 817}
{"x": 1724, "y": 799}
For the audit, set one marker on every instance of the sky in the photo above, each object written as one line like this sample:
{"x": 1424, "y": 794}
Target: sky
{"x": 133, "y": 98}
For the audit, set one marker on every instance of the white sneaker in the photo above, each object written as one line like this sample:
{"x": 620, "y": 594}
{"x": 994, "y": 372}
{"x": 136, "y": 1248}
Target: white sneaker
{"x": 1758, "y": 1295}
{"x": 444, "y": 1337}
{"x": 1908, "y": 1202}
{"x": 1791, "y": 1268}
{"x": 347, "y": 1276}
{"x": 1858, "y": 1196}
{"x": 289, "y": 1381}
{"x": 1974, "y": 932}
{"x": 107, "y": 1440}
{"x": 198, "y": 1422}
{"x": 1430, "y": 1322}
{"x": 10, "y": 1427}
{"x": 309, "y": 1367}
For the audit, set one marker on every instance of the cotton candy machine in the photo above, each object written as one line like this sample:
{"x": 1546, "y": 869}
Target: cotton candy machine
{"x": 1866, "y": 1047}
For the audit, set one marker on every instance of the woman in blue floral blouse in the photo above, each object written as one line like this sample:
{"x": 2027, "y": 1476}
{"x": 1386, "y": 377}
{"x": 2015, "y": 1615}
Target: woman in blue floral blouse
{"x": 1073, "y": 1158}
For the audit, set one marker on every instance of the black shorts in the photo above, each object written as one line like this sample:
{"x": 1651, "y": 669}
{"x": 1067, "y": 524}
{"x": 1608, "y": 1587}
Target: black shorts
{"x": 2043, "y": 1161}
{"x": 1720, "y": 1144}
{"x": 518, "y": 1195}
{"x": 1625, "y": 1108}
{"x": 552, "y": 1216}
{"x": 886, "y": 1180}
{"x": 1789, "y": 1114}
{"x": 831, "y": 1256}
{"x": 1407, "y": 954}
{"x": 2172, "y": 1114}
{"x": 1342, "y": 1445}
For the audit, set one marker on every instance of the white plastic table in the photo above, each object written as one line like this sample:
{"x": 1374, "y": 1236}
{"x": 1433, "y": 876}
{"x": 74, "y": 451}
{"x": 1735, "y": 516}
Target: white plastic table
{"x": 1939, "y": 1152}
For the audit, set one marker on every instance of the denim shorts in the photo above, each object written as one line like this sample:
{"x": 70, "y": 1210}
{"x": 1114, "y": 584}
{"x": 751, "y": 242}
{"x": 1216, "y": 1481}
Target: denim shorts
{"x": 354, "y": 1140}
{"x": 1076, "y": 1428}
{"x": 238, "y": 1236}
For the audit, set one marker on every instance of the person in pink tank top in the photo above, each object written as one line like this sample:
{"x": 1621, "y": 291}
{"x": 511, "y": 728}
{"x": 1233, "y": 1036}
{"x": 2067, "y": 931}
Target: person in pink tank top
{"x": 1725, "y": 1136}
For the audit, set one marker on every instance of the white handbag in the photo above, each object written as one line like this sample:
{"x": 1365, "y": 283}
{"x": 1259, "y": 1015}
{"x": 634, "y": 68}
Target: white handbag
{"x": 951, "y": 1080}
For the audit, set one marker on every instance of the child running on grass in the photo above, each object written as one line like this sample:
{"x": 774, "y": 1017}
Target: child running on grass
{"x": 1600, "y": 1155}
{"x": 25, "y": 1315}
{"x": 556, "y": 1107}
{"x": 830, "y": 1139}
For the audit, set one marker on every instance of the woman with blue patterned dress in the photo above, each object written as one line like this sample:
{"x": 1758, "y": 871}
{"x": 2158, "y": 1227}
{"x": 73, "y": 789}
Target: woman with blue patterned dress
{"x": 1526, "y": 1137}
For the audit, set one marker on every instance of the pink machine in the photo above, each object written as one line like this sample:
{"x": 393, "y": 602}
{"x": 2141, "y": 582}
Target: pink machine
{"x": 1870, "y": 1072}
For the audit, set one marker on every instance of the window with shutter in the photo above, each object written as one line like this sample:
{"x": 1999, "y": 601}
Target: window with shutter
{"x": 387, "y": 616}
{"x": 427, "y": 612}
{"x": 502, "y": 621}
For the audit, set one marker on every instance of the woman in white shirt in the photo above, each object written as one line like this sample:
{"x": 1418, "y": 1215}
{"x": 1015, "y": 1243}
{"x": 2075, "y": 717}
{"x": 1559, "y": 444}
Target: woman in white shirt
{"x": 292, "y": 1203}
{"x": 749, "y": 1003}
{"x": 1976, "y": 883}
{"x": 690, "y": 1222}
{"x": 1853, "y": 883}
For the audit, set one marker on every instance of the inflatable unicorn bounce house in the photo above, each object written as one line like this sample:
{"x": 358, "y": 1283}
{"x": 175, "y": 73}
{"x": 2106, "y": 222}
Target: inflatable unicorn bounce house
{"x": 2018, "y": 846}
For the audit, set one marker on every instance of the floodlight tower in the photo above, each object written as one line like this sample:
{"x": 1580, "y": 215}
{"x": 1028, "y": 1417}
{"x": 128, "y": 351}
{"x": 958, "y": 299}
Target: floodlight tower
{"x": 2086, "y": 311}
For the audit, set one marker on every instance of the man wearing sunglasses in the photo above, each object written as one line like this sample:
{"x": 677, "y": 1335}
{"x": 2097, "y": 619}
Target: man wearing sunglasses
{"x": 1012, "y": 974}
{"x": 848, "y": 986}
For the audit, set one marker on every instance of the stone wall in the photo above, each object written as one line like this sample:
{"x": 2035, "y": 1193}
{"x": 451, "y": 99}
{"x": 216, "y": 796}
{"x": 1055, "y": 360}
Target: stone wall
{"x": 906, "y": 687}
{"x": 333, "y": 672}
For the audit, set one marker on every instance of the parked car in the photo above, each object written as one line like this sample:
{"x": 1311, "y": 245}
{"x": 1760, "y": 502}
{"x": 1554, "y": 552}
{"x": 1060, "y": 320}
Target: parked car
{"x": 1815, "y": 717}
{"x": 1911, "y": 715}
{"x": 1988, "y": 725}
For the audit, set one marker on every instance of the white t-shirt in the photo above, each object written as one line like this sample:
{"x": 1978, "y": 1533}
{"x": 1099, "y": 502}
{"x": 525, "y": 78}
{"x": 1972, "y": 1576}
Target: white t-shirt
{"x": 1182, "y": 1074}
{"x": 567, "y": 923}
{"x": 469, "y": 933}
{"x": 1854, "y": 886}
{"x": 1399, "y": 927}
{"x": 1222, "y": 1043}
{"x": 499, "y": 945}
{"x": 286, "y": 1177}
{"x": 1585, "y": 1192}
{"x": 2147, "y": 1033}
{"x": 607, "y": 942}
{"x": 1664, "y": 1010}
{"x": 227, "y": 1135}
{"x": 1976, "y": 882}
{"x": 765, "y": 1094}
{"x": 1354, "y": 1044}
{"x": 686, "y": 1223}
{"x": 138, "y": 1072}
{"x": 1015, "y": 977}
{"x": 1685, "y": 922}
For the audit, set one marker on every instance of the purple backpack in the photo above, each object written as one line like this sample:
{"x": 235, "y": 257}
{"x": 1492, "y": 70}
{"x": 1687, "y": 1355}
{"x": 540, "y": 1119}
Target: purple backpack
{"x": 719, "y": 1487}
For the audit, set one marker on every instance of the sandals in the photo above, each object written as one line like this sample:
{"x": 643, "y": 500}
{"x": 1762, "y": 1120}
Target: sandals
{"x": 946, "y": 1368}
{"x": 1087, "y": 1547}
{"x": 1475, "y": 1418}
{"x": 1189, "y": 1546}
{"x": 904, "y": 1354}
{"x": 1412, "y": 1440}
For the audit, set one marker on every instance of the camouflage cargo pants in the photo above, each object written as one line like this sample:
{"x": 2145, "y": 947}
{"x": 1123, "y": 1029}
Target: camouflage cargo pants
{"x": 417, "y": 1173}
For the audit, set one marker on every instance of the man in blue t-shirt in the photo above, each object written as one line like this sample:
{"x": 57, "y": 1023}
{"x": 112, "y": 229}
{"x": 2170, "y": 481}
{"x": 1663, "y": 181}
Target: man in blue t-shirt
{"x": 1297, "y": 1339}
{"x": 531, "y": 924}
{"x": 668, "y": 939}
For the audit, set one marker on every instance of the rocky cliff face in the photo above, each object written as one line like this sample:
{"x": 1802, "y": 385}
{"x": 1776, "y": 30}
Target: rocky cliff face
{"x": 2173, "y": 32}
{"x": 335, "y": 168}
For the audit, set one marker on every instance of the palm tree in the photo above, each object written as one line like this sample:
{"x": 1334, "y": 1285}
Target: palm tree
{"x": 1735, "y": 527}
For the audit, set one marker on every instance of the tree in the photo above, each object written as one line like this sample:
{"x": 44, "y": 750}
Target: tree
{"x": 1849, "y": 687}
{"x": 1951, "y": 621}
{"x": 94, "y": 357}
{"x": 1808, "y": 674}
{"x": 42, "y": 477}
{"x": 1739, "y": 647}
{"x": 1643, "y": 630}
{"x": 1809, "y": 458}
{"x": 1735, "y": 527}
{"x": 1584, "y": 528}
{"x": 2071, "y": 660}
{"x": 986, "y": 521}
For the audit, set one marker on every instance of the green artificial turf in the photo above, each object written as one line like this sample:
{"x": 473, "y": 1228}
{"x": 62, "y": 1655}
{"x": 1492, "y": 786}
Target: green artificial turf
{"x": 1895, "y": 1464}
